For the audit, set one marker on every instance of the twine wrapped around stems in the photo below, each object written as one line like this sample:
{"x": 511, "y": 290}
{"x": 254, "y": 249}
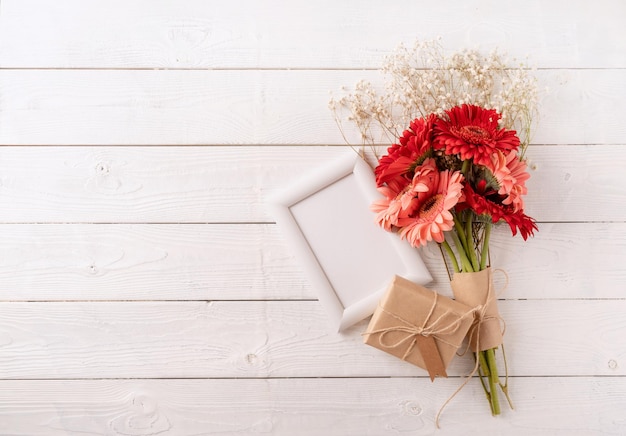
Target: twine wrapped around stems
{"x": 475, "y": 289}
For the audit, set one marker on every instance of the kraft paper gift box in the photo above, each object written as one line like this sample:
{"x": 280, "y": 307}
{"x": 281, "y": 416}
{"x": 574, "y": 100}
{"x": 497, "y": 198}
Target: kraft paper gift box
{"x": 420, "y": 326}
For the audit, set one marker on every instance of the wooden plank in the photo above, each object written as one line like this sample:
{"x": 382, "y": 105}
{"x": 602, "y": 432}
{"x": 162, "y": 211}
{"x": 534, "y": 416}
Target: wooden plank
{"x": 272, "y": 34}
{"x": 232, "y": 184}
{"x": 544, "y": 406}
{"x": 40, "y": 262}
{"x": 148, "y": 184}
{"x": 280, "y": 339}
{"x": 111, "y": 107}
{"x": 147, "y": 262}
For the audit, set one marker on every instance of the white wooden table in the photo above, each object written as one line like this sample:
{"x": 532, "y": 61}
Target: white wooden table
{"x": 144, "y": 288}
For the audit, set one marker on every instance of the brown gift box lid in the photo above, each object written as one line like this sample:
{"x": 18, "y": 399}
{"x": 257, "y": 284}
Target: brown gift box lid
{"x": 418, "y": 325}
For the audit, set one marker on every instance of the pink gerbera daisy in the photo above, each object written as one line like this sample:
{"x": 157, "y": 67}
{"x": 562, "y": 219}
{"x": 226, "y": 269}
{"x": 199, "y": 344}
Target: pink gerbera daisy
{"x": 431, "y": 212}
{"x": 400, "y": 201}
{"x": 511, "y": 175}
{"x": 472, "y": 133}
{"x": 397, "y": 202}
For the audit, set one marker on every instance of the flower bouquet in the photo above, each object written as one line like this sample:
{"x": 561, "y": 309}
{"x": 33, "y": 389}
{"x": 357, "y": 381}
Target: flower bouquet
{"x": 457, "y": 169}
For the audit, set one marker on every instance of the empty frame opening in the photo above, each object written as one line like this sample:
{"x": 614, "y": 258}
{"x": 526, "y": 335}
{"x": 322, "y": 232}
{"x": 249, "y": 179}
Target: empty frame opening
{"x": 340, "y": 230}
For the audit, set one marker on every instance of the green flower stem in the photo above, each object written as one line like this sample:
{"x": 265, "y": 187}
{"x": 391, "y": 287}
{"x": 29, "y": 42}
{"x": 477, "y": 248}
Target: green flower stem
{"x": 483, "y": 363}
{"x": 458, "y": 226}
{"x": 466, "y": 265}
{"x": 469, "y": 234}
{"x": 482, "y": 373}
{"x": 451, "y": 255}
{"x": 505, "y": 386}
{"x": 484, "y": 253}
{"x": 465, "y": 167}
{"x": 493, "y": 380}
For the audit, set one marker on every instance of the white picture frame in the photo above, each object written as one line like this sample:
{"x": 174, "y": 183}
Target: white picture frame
{"x": 347, "y": 257}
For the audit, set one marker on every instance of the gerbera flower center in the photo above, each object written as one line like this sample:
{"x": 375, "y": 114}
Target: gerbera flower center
{"x": 471, "y": 134}
{"x": 431, "y": 206}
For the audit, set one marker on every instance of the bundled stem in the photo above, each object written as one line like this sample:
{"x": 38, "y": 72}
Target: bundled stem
{"x": 471, "y": 240}
{"x": 484, "y": 253}
{"x": 489, "y": 369}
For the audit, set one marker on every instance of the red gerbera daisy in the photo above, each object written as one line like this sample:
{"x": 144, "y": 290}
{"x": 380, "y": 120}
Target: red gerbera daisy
{"x": 483, "y": 205}
{"x": 472, "y": 133}
{"x": 401, "y": 159}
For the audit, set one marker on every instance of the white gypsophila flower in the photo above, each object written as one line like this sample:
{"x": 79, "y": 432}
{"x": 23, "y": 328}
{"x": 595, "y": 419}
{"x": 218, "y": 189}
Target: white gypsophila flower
{"x": 422, "y": 80}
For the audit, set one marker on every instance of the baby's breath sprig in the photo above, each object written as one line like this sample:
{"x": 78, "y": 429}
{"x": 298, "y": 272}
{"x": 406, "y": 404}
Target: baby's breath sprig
{"x": 422, "y": 79}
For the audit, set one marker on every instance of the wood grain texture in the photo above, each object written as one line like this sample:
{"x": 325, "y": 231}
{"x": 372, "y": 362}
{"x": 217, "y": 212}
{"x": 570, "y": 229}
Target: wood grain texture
{"x": 134, "y": 107}
{"x": 233, "y": 184}
{"x": 343, "y": 407}
{"x": 147, "y": 262}
{"x": 139, "y": 143}
{"x": 254, "y": 262}
{"x": 275, "y": 34}
{"x": 280, "y": 339}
